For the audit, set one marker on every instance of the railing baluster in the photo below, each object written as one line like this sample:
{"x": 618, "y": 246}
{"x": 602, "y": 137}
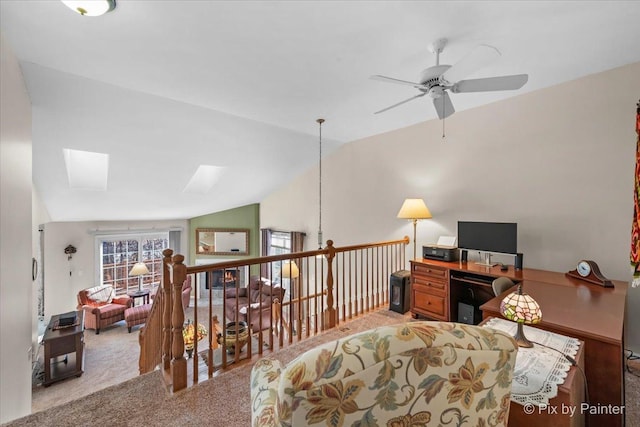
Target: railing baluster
{"x": 330, "y": 311}
{"x": 308, "y": 301}
{"x": 178, "y": 362}
{"x": 344, "y": 289}
{"x": 195, "y": 333}
{"x": 166, "y": 312}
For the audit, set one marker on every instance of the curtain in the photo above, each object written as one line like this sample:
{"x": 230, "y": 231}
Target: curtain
{"x": 265, "y": 244}
{"x": 635, "y": 226}
{"x": 174, "y": 241}
{"x": 297, "y": 241}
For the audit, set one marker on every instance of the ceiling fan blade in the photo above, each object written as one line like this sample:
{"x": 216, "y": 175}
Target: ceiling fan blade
{"x": 476, "y": 59}
{"x": 397, "y": 81}
{"x": 401, "y": 102}
{"x": 515, "y": 81}
{"x": 443, "y": 106}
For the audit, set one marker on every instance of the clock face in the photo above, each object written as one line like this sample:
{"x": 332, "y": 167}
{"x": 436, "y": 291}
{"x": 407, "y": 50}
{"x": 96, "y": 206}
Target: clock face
{"x": 584, "y": 269}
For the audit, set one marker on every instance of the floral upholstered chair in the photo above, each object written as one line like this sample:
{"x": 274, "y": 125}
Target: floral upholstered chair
{"x": 413, "y": 374}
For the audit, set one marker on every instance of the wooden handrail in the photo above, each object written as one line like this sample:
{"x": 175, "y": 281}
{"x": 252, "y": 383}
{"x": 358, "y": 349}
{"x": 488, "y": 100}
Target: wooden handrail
{"x": 150, "y": 337}
{"x": 284, "y": 257}
{"x": 319, "y": 298}
{"x": 404, "y": 241}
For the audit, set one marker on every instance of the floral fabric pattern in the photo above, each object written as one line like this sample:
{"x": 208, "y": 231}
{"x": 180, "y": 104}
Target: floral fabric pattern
{"x": 416, "y": 374}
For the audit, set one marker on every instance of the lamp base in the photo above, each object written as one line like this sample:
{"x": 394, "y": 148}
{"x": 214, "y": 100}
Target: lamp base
{"x": 521, "y": 340}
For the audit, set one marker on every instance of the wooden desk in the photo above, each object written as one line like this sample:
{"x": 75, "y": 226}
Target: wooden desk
{"x": 62, "y": 342}
{"x": 591, "y": 313}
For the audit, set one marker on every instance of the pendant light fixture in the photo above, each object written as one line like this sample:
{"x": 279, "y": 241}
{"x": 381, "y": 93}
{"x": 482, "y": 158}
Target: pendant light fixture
{"x": 320, "y": 122}
{"x": 90, "y": 7}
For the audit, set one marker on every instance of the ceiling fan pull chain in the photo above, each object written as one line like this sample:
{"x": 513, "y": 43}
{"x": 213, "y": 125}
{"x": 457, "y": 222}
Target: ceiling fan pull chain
{"x": 443, "y": 118}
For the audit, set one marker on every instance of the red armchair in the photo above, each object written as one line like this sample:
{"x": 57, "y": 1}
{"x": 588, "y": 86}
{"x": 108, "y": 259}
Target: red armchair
{"x": 186, "y": 292}
{"x": 101, "y": 307}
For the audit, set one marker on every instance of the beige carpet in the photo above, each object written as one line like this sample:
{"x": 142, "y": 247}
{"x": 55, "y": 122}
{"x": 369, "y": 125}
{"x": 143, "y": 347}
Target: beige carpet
{"x": 110, "y": 358}
{"x": 222, "y": 401}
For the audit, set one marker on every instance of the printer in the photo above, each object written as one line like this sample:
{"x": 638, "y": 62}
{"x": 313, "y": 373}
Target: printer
{"x": 440, "y": 252}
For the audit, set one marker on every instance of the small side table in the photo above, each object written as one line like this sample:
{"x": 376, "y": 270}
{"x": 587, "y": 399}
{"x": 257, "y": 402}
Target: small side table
{"x": 144, "y": 294}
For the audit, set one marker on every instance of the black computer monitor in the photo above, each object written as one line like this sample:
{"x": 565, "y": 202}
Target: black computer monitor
{"x": 500, "y": 237}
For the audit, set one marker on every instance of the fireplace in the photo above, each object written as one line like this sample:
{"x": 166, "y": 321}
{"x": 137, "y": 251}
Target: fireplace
{"x": 219, "y": 278}
{"x": 216, "y": 279}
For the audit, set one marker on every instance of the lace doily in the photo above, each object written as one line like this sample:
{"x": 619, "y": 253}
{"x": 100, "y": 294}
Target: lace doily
{"x": 539, "y": 370}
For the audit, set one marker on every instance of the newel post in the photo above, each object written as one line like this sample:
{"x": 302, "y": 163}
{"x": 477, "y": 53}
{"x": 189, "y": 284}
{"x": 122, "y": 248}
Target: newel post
{"x": 330, "y": 312}
{"x": 166, "y": 309}
{"x": 178, "y": 363}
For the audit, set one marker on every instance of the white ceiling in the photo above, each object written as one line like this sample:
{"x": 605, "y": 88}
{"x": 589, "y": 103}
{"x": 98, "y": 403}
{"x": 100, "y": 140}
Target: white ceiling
{"x": 164, "y": 86}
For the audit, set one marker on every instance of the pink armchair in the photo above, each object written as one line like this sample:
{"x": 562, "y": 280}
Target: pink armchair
{"x": 101, "y": 306}
{"x": 186, "y": 292}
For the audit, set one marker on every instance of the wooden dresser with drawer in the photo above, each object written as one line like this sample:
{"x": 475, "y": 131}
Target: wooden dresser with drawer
{"x": 429, "y": 291}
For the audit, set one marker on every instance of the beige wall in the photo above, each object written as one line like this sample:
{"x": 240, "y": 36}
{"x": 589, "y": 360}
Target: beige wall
{"x": 243, "y": 217}
{"x": 15, "y": 243}
{"x": 558, "y": 161}
{"x": 61, "y": 288}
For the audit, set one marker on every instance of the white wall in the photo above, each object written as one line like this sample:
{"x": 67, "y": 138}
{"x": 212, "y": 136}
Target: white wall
{"x": 15, "y": 243}
{"x": 61, "y": 288}
{"x": 558, "y": 161}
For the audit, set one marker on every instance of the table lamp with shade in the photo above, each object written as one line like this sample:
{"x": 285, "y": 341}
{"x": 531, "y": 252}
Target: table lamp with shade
{"x": 290, "y": 270}
{"x": 139, "y": 269}
{"x": 414, "y": 209}
{"x": 522, "y": 309}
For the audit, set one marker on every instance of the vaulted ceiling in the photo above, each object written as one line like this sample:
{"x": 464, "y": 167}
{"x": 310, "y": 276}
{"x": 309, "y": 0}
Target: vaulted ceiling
{"x": 165, "y": 86}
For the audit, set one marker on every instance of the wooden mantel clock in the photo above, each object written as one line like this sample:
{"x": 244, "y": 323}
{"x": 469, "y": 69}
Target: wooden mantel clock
{"x": 590, "y": 272}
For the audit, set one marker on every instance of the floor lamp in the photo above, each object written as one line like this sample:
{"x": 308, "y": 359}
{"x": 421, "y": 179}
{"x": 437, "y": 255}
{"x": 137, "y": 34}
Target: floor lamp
{"x": 414, "y": 209}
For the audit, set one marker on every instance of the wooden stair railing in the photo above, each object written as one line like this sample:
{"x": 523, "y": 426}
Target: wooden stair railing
{"x": 150, "y": 338}
{"x": 352, "y": 280}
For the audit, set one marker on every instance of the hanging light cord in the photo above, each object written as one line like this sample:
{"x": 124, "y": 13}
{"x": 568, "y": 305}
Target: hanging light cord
{"x": 320, "y": 121}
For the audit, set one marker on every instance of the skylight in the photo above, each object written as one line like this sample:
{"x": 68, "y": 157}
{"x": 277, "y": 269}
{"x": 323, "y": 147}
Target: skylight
{"x": 86, "y": 170}
{"x": 203, "y": 179}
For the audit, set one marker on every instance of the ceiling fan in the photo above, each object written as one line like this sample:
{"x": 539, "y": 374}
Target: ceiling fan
{"x": 438, "y": 80}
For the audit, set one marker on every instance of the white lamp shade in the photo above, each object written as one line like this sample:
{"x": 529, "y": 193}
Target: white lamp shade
{"x": 290, "y": 270}
{"x": 414, "y": 209}
{"x": 90, "y": 7}
{"x": 139, "y": 269}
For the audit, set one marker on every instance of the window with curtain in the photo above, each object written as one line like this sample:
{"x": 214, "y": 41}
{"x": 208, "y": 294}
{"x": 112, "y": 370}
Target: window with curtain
{"x": 118, "y": 254}
{"x": 278, "y": 243}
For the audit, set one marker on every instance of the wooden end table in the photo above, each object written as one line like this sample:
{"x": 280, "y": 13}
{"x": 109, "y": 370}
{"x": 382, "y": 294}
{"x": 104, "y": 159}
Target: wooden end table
{"x": 144, "y": 294}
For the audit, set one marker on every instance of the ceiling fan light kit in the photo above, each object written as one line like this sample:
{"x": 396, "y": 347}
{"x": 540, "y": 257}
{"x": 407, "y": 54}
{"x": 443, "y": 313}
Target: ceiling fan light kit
{"x": 437, "y": 81}
{"x": 90, "y": 7}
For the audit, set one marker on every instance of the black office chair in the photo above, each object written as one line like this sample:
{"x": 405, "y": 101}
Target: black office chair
{"x": 501, "y": 284}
